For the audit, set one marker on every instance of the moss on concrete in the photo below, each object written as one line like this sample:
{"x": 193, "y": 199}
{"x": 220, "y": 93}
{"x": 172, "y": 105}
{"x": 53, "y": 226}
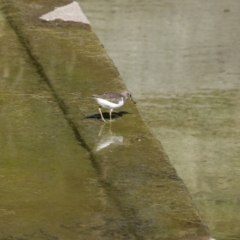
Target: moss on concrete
{"x": 142, "y": 196}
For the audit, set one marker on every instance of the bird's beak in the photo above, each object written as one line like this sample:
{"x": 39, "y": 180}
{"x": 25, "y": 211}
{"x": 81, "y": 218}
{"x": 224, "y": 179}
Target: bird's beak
{"x": 133, "y": 100}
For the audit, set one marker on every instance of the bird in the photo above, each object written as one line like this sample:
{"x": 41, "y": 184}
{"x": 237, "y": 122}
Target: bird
{"x": 112, "y": 100}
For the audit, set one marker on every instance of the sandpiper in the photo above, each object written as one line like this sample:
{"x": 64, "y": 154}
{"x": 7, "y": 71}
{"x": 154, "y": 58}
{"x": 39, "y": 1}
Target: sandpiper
{"x": 111, "y": 100}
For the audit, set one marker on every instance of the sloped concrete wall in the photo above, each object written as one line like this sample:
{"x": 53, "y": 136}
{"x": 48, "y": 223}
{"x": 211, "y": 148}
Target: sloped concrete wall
{"x": 143, "y": 196}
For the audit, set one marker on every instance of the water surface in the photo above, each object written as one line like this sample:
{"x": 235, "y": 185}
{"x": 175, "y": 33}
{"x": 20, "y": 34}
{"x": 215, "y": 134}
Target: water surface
{"x": 48, "y": 185}
{"x": 181, "y": 61}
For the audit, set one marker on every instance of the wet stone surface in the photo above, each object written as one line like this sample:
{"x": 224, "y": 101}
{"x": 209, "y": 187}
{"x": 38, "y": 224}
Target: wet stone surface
{"x": 68, "y": 176}
{"x": 181, "y": 61}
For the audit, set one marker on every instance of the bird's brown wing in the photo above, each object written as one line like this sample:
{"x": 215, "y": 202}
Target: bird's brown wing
{"x": 110, "y": 96}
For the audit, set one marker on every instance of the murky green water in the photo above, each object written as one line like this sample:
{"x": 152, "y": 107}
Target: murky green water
{"x": 206, "y": 126}
{"x": 181, "y": 61}
{"x": 44, "y": 174}
{"x": 65, "y": 175}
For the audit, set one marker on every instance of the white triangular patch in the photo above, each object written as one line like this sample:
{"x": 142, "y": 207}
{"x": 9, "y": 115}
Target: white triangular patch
{"x": 71, "y": 12}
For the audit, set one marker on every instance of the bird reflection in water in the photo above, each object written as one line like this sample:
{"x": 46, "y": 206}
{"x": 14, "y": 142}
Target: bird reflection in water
{"x": 107, "y": 139}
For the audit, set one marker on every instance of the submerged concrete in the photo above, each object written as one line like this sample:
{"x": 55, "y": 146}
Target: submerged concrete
{"x": 138, "y": 193}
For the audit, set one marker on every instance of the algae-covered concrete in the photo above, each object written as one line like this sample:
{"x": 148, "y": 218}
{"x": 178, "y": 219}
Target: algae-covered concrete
{"x": 66, "y": 175}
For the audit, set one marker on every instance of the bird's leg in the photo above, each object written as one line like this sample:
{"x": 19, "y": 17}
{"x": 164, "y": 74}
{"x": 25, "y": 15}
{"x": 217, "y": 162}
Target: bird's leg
{"x": 110, "y": 113}
{"x": 101, "y": 129}
{"x": 100, "y": 111}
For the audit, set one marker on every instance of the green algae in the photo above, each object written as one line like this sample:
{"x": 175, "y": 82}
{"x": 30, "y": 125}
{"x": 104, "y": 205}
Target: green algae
{"x": 66, "y": 189}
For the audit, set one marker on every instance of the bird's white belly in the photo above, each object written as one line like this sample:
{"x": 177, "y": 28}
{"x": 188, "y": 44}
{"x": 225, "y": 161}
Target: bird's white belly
{"x": 106, "y": 104}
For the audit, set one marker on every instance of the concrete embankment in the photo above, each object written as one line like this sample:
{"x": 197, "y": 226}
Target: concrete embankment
{"x": 89, "y": 180}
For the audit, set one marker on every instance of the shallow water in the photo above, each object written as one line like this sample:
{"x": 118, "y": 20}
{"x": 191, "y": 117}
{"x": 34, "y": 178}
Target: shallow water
{"x": 45, "y": 176}
{"x": 181, "y": 62}
{"x": 66, "y": 175}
